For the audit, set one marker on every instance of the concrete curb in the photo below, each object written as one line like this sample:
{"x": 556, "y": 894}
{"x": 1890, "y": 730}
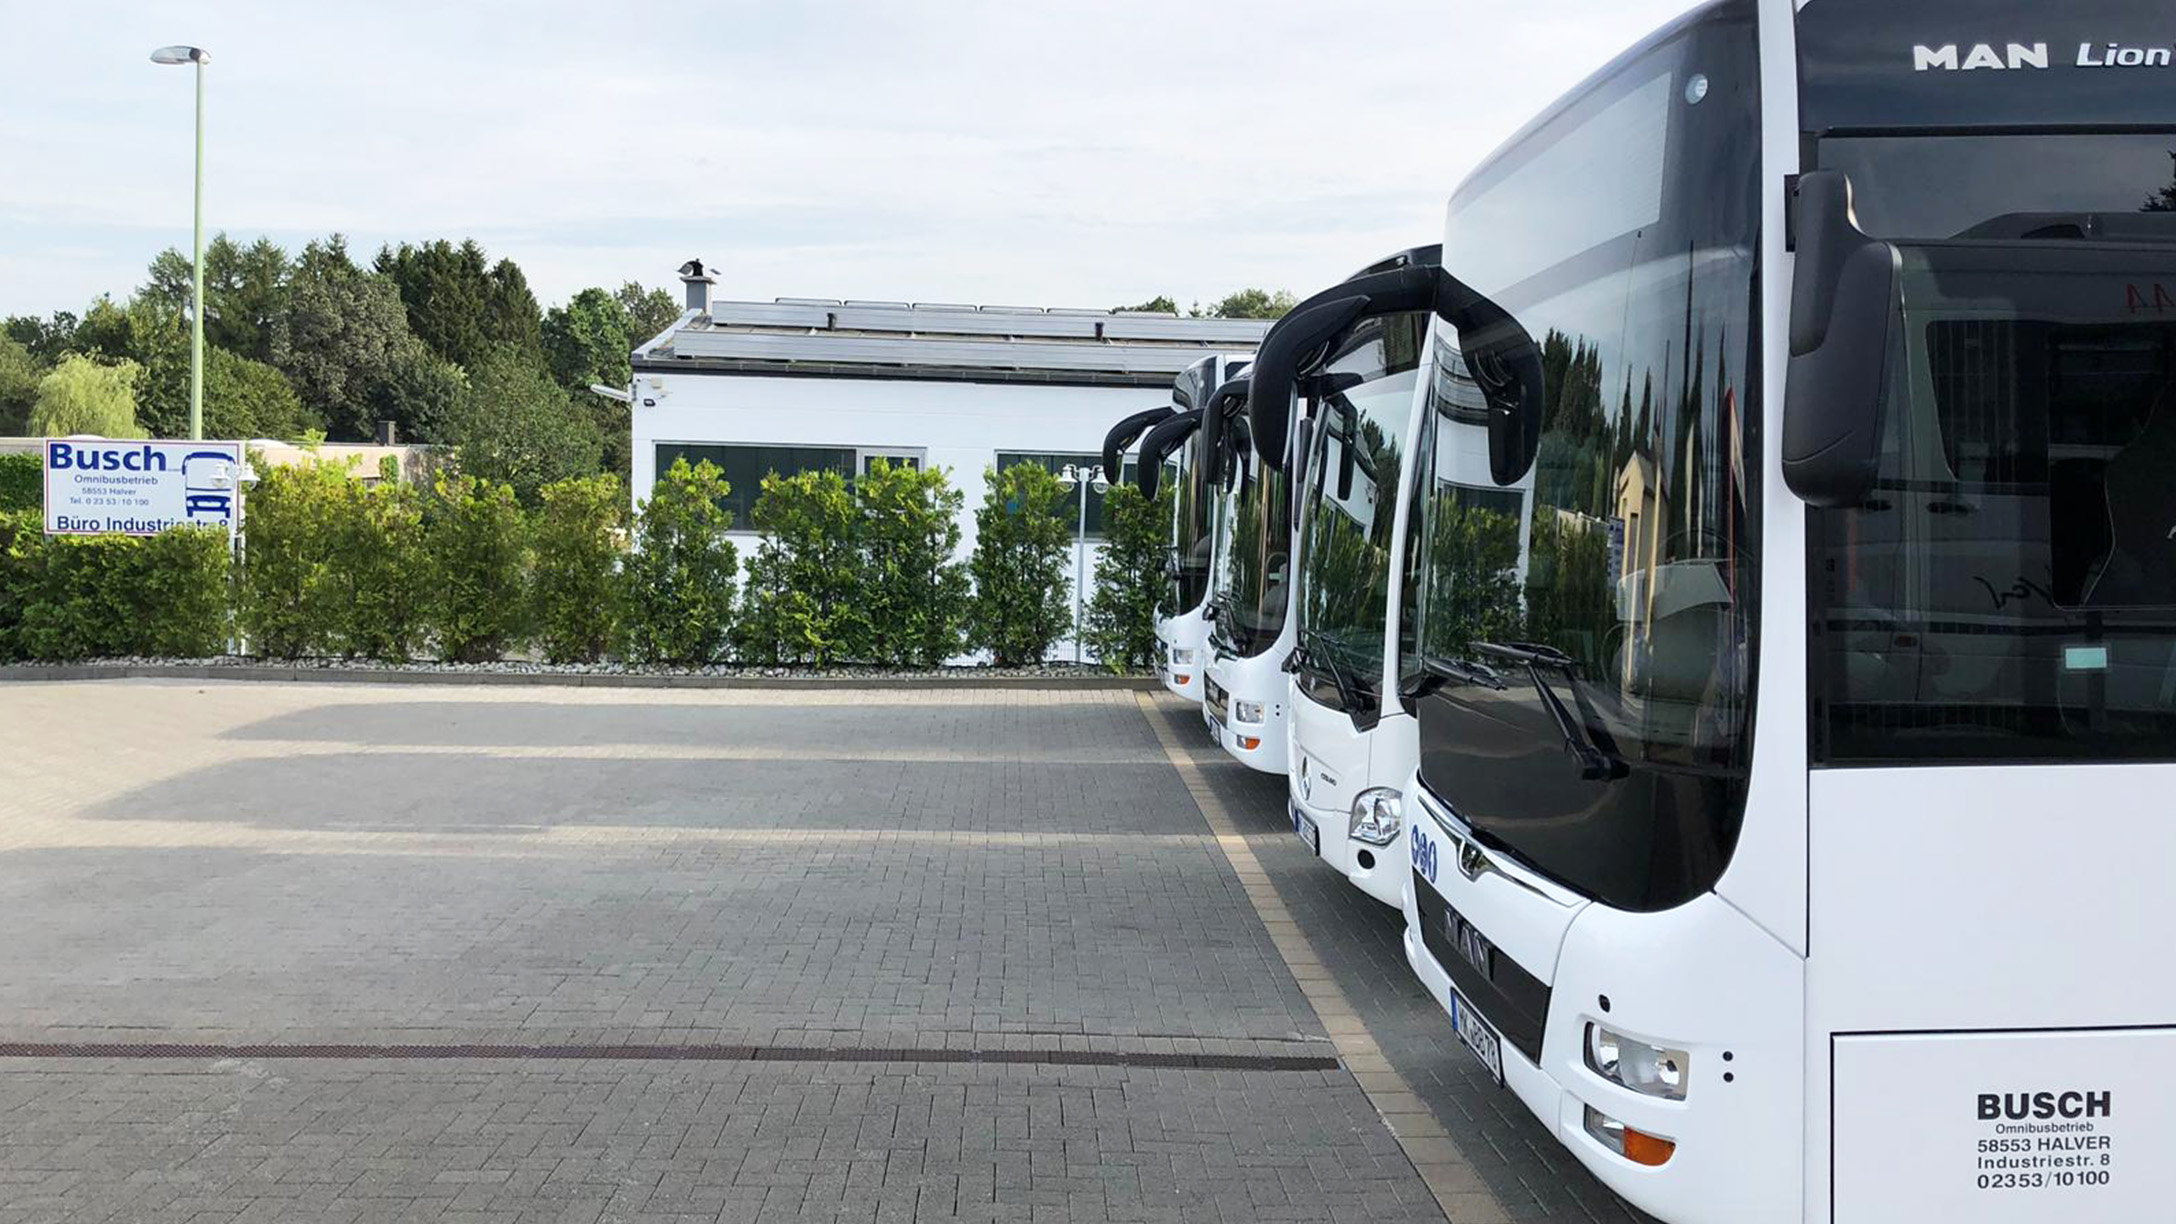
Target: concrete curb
{"x": 52, "y": 672}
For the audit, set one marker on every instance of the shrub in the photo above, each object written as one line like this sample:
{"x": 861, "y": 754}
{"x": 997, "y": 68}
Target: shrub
{"x": 917, "y": 595}
{"x": 477, "y": 540}
{"x": 804, "y": 600}
{"x": 578, "y": 534}
{"x": 677, "y": 585}
{"x": 291, "y": 592}
{"x": 1120, "y": 624}
{"x": 22, "y": 483}
{"x": 78, "y": 604}
{"x": 383, "y": 572}
{"x": 183, "y": 588}
{"x": 1021, "y": 604}
{"x": 22, "y": 547}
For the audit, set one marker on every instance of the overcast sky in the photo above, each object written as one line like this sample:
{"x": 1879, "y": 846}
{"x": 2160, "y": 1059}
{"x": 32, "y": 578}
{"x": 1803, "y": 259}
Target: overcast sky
{"x": 1025, "y": 152}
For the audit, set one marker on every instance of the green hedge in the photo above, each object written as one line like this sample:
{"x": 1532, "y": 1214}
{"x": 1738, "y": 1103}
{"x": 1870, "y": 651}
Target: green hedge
{"x": 850, "y": 571}
{"x": 677, "y": 585}
{"x": 87, "y": 597}
{"x": 22, "y": 483}
{"x": 580, "y": 531}
{"x": 1022, "y": 602}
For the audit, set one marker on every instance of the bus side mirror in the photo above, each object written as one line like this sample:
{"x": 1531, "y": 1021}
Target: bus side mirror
{"x": 1166, "y": 437}
{"x": 1506, "y": 363}
{"x": 1841, "y": 297}
{"x": 1274, "y": 378}
{"x": 1122, "y": 436}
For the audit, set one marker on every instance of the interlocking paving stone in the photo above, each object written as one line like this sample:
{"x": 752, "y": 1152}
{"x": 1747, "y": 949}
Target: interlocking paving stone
{"x": 960, "y": 871}
{"x": 1359, "y": 940}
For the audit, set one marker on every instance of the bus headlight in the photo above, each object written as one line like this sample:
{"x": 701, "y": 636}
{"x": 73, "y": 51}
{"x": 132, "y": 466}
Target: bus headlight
{"x": 1182, "y": 656}
{"x": 1377, "y": 815}
{"x": 1247, "y": 711}
{"x": 1646, "y": 1069}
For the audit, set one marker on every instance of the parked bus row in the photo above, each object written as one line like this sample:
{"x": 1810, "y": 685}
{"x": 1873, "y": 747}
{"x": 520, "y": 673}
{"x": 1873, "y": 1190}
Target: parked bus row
{"x": 1724, "y": 595}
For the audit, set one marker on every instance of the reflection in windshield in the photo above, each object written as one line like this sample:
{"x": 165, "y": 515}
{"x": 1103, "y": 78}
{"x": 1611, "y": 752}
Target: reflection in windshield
{"x": 2008, "y": 591}
{"x": 1939, "y": 187}
{"x": 1191, "y": 532}
{"x": 1353, "y": 488}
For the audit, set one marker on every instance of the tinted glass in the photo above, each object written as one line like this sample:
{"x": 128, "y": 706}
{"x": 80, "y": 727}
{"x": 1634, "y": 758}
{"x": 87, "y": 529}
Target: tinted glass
{"x": 2008, "y": 591}
{"x": 1935, "y": 187}
{"x": 1056, "y": 462}
{"x": 746, "y": 466}
{"x": 1586, "y": 642}
{"x": 1192, "y": 536}
{"x": 1355, "y": 478}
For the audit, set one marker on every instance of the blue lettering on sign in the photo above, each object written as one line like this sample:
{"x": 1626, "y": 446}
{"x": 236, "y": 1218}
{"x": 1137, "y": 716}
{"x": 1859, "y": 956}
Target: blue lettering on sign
{"x": 76, "y": 457}
{"x": 1424, "y": 854}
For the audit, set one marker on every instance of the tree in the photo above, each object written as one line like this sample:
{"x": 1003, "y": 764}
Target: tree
{"x": 105, "y": 332}
{"x": 19, "y": 375}
{"x": 579, "y": 532}
{"x": 1120, "y": 624}
{"x": 1254, "y": 304}
{"x": 1021, "y": 604}
{"x": 478, "y": 542}
{"x": 1160, "y": 304}
{"x": 587, "y": 341}
{"x": 242, "y": 398}
{"x": 44, "y": 339}
{"x": 514, "y": 425}
{"x": 917, "y": 595}
{"x": 447, "y": 292}
{"x": 340, "y": 337}
{"x": 244, "y": 286}
{"x": 649, "y": 311}
{"x": 511, "y": 316}
{"x": 806, "y": 597}
{"x": 80, "y": 396}
{"x": 421, "y": 393}
{"x": 2163, "y": 200}
{"x": 677, "y": 586}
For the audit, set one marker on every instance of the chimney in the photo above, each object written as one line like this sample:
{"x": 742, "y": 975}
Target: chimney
{"x": 387, "y": 434}
{"x": 698, "y": 280}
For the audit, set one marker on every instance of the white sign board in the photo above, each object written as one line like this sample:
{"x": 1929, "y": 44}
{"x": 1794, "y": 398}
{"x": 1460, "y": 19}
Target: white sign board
{"x": 97, "y": 486}
{"x": 2004, "y": 1128}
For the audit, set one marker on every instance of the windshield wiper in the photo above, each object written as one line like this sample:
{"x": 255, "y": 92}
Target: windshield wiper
{"x": 1596, "y": 763}
{"x": 1312, "y": 651}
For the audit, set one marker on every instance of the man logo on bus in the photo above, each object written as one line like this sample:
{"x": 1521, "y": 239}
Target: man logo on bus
{"x": 1982, "y": 55}
{"x": 1948, "y": 58}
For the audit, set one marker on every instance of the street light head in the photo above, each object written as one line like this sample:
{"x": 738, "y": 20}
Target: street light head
{"x": 181, "y": 55}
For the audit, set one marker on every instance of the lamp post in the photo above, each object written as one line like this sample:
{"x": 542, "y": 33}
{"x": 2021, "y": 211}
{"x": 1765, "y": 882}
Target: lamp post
{"x": 199, "y": 57}
{"x": 1080, "y": 480}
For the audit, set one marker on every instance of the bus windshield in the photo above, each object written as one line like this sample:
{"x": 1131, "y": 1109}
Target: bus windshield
{"x": 2008, "y": 590}
{"x": 1254, "y": 559}
{"x": 1351, "y": 500}
{"x": 1191, "y": 538}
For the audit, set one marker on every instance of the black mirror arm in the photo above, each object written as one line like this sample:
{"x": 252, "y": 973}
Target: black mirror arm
{"x": 1123, "y": 435}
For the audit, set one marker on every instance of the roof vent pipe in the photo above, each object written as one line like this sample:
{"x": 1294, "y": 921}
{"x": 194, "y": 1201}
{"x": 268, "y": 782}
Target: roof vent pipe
{"x": 698, "y": 280}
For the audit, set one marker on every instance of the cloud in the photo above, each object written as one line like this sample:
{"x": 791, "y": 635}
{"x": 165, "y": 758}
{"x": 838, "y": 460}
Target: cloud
{"x": 960, "y": 150}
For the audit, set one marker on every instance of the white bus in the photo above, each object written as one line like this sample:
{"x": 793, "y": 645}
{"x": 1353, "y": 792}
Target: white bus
{"x": 1788, "y": 834}
{"x": 1352, "y": 739}
{"x": 1172, "y": 450}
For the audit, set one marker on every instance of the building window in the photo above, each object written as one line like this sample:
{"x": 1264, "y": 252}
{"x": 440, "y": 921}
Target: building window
{"x": 745, "y": 467}
{"x": 1055, "y": 463}
{"x": 897, "y": 457}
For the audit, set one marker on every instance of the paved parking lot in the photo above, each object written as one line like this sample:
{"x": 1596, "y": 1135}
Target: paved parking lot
{"x": 361, "y": 952}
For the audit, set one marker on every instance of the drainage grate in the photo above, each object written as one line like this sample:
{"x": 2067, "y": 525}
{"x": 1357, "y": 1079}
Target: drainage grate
{"x": 675, "y": 1053}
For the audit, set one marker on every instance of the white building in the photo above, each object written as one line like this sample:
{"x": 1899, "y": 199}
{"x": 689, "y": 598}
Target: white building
{"x": 800, "y": 383}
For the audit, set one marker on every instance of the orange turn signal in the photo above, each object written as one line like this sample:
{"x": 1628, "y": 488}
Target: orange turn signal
{"x": 1643, "y": 1148}
{"x": 1249, "y": 743}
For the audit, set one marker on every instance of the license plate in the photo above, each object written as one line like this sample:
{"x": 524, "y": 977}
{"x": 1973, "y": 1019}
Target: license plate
{"x": 1307, "y": 831}
{"x": 1216, "y": 725}
{"x": 1478, "y": 1037}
